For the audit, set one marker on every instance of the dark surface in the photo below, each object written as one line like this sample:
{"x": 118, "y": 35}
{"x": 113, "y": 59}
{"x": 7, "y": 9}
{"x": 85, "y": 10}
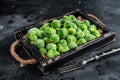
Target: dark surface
{"x": 17, "y": 13}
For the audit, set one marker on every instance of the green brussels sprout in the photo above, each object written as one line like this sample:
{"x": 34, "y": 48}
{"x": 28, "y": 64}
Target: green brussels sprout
{"x": 46, "y": 39}
{"x": 43, "y": 51}
{"x": 52, "y": 53}
{"x": 32, "y": 37}
{"x": 67, "y": 18}
{"x": 71, "y": 31}
{"x": 63, "y": 33}
{"x": 96, "y": 33}
{"x": 63, "y": 48}
{"x": 71, "y": 38}
{"x": 86, "y": 32}
{"x": 56, "y": 24}
{"x": 40, "y": 34}
{"x": 89, "y": 37}
{"x": 72, "y": 17}
{"x": 39, "y": 43}
{"x": 73, "y": 25}
{"x": 81, "y": 41}
{"x": 44, "y": 26}
{"x": 54, "y": 38}
{"x": 83, "y": 27}
{"x": 63, "y": 42}
{"x": 80, "y": 34}
{"x": 33, "y": 31}
{"x": 48, "y": 31}
{"x": 67, "y": 24}
{"x": 78, "y": 29}
{"x": 78, "y": 23}
{"x": 86, "y": 22}
{"x": 72, "y": 45}
{"x": 51, "y": 46}
{"x": 92, "y": 28}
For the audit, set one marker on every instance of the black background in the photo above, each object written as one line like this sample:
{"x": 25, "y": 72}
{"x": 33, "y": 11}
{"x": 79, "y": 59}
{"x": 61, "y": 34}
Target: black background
{"x": 17, "y": 13}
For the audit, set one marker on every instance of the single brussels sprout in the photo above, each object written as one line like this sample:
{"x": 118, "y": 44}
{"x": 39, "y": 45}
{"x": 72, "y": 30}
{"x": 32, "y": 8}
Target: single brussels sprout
{"x": 39, "y": 43}
{"x": 44, "y": 26}
{"x": 78, "y": 23}
{"x": 63, "y": 42}
{"x": 78, "y": 29}
{"x": 89, "y": 37}
{"x": 51, "y": 46}
{"x": 81, "y": 41}
{"x": 43, "y": 51}
{"x": 96, "y": 33}
{"x": 83, "y": 27}
{"x": 71, "y": 31}
{"x": 67, "y": 24}
{"x": 80, "y": 34}
{"x": 86, "y": 22}
{"x": 92, "y": 28}
{"x": 86, "y": 32}
{"x": 63, "y": 48}
{"x": 48, "y": 31}
{"x": 56, "y": 24}
{"x": 46, "y": 39}
{"x": 73, "y": 25}
{"x": 32, "y": 37}
{"x": 33, "y": 31}
{"x": 54, "y": 38}
{"x": 52, "y": 53}
{"x": 72, "y": 17}
{"x": 40, "y": 34}
{"x": 72, "y": 45}
{"x": 71, "y": 38}
{"x": 67, "y": 18}
{"x": 63, "y": 33}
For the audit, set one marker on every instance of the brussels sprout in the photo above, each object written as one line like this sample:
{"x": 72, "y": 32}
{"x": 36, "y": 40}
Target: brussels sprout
{"x": 83, "y": 27}
{"x": 63, "y": 33}
{"x": 86, "y": 32}
{"x": 71, "y": 38}
{"x": 96, "y": 33}
{"x": 72, "y": 17}
{"x": 63, "y": 42}
{"x": 52, "y": 53}
{"x": 40, "y": 34}
{"x": 39, "y": 43}
{"x": 92, "y": 28}
{"x": 63, "y": 48}
{"x": 79, "y": 34}
{"x": 49, "y": 31}
{"x": 56, "y": 24}
{"x": 43, "y": 51}
{"x": 67, "y": 18}
{"x": 86, "y": 22}
{"x": 81, "y": 41}
{"x": 89, "y": 37}
{"x": 73, "y": 25}
{"x": 78, "y": 23}
{"x": 33, "y": 31}
{"x": 51, "y": 46}
{"x": 46, "y": 39}
{"x": 32, "y": 37}
{"x": 72, "y": 45}
{"x": 67, "y": 24}
{"x": 78, "y": 29}
{"x": 54, "y": 38}
{"x": 44, "y": 26}
{"x": 71, "y": 31}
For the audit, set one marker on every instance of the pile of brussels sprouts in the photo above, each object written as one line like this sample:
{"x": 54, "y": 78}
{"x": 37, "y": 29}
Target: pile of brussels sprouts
{"x": 59, "y": 36}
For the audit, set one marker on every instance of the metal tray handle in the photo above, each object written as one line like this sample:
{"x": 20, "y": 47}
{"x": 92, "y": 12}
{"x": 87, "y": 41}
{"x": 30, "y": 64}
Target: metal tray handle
{"x": 18, "y": 58}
